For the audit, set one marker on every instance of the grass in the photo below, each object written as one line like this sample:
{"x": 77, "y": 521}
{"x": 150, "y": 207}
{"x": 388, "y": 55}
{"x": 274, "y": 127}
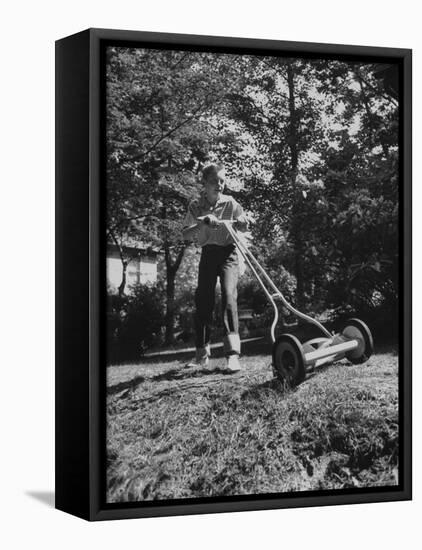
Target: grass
{"x": 175, "y": 432}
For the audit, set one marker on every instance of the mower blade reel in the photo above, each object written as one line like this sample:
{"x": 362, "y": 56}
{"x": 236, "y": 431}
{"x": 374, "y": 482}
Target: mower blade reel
{"x": 330, "y": 351}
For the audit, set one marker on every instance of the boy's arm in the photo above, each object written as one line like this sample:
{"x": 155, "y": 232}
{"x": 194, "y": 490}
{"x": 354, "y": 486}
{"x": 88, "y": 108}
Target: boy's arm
{"x": 190, "y": 224}
{"x": 241, "y": 223}
{"x": 190, "y": 232}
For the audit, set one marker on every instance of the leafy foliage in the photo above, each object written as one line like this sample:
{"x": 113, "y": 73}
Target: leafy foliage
{"x": 311, "y": 147}
{"x": 135, "y": 322}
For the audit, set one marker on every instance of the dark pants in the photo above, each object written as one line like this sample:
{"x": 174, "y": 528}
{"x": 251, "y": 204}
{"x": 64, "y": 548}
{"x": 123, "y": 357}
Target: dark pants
{"x": 217, "y": 261}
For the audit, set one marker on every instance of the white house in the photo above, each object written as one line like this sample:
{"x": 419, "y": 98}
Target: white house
{"x": 142, "y": 269}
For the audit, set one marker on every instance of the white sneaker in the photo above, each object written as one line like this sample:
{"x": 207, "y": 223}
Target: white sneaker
{"x": 232, "y": 363}
{"x": 198, "y": 363}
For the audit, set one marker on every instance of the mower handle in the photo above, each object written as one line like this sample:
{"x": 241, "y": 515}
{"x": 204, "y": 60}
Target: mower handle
{"x": 220, "y": 222}
{"x": 262, "y": 275}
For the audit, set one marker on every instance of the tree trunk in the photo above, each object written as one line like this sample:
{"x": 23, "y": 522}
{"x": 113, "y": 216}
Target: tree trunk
{"x": 371, "y": 120}
{"x": 171, "y": 270}
{"x": 300, "y": 283}
{"x": 124, "y": 261}
{"x": 296, "y": 229}
{"x": 170, "y": 313}
{"x": 122, "y": 285}
{"x": 293, "y": 137}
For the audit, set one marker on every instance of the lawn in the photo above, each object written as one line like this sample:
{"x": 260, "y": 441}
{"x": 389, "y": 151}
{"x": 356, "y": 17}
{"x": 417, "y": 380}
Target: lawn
{"x": 177, "y": 432}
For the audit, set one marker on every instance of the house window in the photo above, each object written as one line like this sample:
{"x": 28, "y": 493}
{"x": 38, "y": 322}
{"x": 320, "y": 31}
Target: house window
{"x": 140, "y": 270}
{"x": 148, "y": 270}
{"x": 133, "y": 274}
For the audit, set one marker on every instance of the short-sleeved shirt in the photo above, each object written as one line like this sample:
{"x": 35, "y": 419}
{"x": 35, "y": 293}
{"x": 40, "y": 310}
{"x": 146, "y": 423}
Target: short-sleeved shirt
{"x": 226, "y": 208}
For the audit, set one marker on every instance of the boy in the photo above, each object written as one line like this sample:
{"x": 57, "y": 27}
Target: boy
{"x": 218, "y": 259}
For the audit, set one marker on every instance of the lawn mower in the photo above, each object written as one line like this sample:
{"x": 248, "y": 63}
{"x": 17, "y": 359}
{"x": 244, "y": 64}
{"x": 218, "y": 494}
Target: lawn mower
{"x": 291, "y": 358}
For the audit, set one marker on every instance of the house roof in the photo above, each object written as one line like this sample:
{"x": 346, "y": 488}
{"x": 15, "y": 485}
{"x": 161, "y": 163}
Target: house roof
{"x": 140, "y": 246}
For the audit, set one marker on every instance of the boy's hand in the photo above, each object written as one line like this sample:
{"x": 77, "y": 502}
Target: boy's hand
{"x": 210, "y": 220}
{"x": 241, "y": 224}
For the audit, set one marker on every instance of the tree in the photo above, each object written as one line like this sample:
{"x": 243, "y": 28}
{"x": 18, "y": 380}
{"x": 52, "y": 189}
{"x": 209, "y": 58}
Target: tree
{"x": 159, "y": 133}
{"x": 327, "y": 186}
{"x": 315, "y": 142}
{"x": 283, "y": 115}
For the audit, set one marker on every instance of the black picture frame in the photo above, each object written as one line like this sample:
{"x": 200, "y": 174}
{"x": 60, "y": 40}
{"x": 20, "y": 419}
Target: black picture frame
{"x": 80, "y": 388}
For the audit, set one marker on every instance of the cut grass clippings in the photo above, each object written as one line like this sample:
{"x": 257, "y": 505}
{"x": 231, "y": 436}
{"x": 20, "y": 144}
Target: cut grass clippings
{"x": 175, "y": 432}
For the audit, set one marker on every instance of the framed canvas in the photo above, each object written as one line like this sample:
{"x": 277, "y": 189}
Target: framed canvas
{"x": 233, "y": 278}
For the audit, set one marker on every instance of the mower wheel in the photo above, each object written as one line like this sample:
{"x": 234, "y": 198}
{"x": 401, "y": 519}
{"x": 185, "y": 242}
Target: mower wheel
{"x": 289, "y": 359}
{"x": 355, "y": 329}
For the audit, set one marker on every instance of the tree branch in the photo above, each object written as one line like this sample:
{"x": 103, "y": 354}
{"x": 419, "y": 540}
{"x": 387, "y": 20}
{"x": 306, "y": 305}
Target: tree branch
{"x": 279, "y": 72}
{"x": 179, "y": 257}
{"x": 184, "y": 56}
{"x": 387, "y": 97}
{"x": 138, "y": 157}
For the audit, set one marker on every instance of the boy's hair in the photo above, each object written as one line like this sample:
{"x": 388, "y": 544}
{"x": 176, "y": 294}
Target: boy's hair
{"x": 212, "y": 169}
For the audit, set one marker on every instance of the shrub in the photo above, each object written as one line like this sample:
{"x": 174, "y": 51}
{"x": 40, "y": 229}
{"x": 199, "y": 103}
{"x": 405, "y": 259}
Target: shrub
{"x": 135, "y": 322}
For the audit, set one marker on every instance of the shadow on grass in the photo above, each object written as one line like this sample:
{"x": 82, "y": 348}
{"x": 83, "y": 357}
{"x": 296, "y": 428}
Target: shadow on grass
{"x": 197, "y": 380}
{"x": 127, "y": 385}
{"x": 257, "y": 347}
{"x": 250, "y": 349}
{"x": 258, "y": 390}
{"x": 176, "y": 374}
{"x": 183, "y": 357}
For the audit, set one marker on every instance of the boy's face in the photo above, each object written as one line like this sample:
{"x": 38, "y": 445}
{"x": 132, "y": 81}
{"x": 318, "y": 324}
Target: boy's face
{"x": 214, "y": 185}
